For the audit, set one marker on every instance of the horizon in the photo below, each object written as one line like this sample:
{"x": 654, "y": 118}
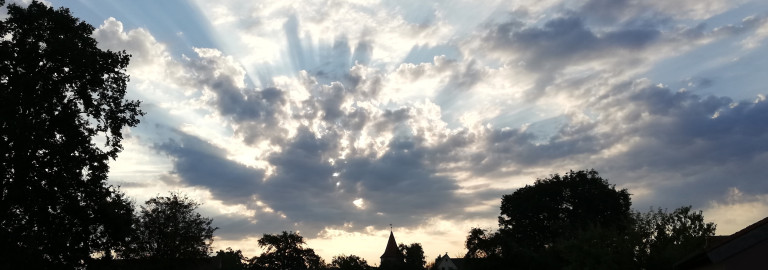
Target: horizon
{"x": 336, "y": 119}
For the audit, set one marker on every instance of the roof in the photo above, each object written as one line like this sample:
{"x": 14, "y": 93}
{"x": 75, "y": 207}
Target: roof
{"x": 721, "y": 248}
{"x": 391, "y": 251}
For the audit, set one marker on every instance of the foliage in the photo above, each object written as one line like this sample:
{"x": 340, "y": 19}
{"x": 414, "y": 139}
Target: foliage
{"x": 668, "y": 237}
{"x": 558, "y": 206}
{"x": 169, "y": 227}
{"x": 579, "y": 221}
{"x": 59, "y": 95}
{"x": 483, "y": 244}
{"x": 285, "y": 251}
{"x": 231, "y": 259}
{"x": 414, "y": 256}
{"x": 598, "y": 248}
{"x": 536, "y": 219}
{"x": 350, "y": 262}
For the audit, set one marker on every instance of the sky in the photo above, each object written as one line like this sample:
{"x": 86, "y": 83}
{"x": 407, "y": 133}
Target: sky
{"x": 335, "y": 119}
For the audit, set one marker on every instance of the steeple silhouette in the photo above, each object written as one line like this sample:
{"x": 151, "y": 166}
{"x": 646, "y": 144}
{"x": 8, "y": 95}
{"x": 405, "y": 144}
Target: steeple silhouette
{"x": 392, "y": 258}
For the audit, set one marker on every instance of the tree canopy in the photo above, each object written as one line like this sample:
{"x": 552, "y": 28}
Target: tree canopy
{"x": 668, "y": 237}
{"x": 285, "y": 251}
{"x": 169, "y": 228}
{"x": 231, "y": 259}
{"x": 414, "y": 256}
{"x": 483, "y": 244}
{"x": 350, "y": 262}
{"x": 556, "y": 208}
{"x": 59, "y": 95}
{"x": 580, "y": 221}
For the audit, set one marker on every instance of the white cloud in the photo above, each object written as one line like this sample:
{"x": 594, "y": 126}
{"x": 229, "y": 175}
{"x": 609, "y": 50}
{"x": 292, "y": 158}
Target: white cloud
{"x": 756, "y": 38}
{"x": 150, "y": 58}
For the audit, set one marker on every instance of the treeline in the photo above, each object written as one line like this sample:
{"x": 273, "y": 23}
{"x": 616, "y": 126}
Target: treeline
{"x": 287, "y": 251}
{"x": 579, "y": 221}
{"x": 168, "y": 233}
{"x": 574, "y": 221}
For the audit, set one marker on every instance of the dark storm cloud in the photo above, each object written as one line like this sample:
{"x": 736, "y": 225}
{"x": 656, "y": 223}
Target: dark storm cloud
{"x": 516, "y": 149}
{"x": 401, "y": 185}
{"x": 563, "y": 41}
{"x": 709, "y": 129}
{"x": 198, "y": 163}
{"x": 607, "y": 10}
{"x": 686, "y": 148}
{"x": 390, "y": 118}
{"x": 329, "y": 99}
{"x": 300, "y": 188}
{"x": 690, "y": 149}
{"x": 238, "y": 226}
{"x": 626, "y": 13}
{"x": 397, "y": 187}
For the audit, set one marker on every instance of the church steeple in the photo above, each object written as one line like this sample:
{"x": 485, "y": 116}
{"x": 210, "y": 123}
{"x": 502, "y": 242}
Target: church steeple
{"x": 392, "y": 258}
{"x": 391, "y": 250}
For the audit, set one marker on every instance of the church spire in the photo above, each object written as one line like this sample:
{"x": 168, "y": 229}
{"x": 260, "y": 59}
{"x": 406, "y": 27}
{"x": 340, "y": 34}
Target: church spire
{"x": 391, "y": 251}
{"x": 392, "y": 259}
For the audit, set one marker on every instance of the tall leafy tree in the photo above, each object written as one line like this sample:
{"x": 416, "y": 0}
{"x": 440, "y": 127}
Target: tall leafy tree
{"x": 62, "y": 111}
{"x": 598, "y": 248}
{"x": 285, "y": 251}
{"x": 414, "y": 256}
{"x": 230, "y": 259}
{"x": 536, "y": 218}
{"x": 350, "y": 262}
{"x": 668, "y": 237}
{"x": 170, "y": 228}
{"x": 483, "y": 244}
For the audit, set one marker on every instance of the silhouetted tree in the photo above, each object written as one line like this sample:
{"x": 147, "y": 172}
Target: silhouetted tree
{"x": 414, "y": 256}
{"x": 536, "y": 218}
{"x": 58, "y": 93}
{"x": 231, "y": 259}
{"x": 170, "y": 228}
{"x": 483, "y": 244}
{"x": 350, "y": 262}
{"x": 596, "y": 247}
{"x": 285, "y": 251}
{"x": 668, "y": 237}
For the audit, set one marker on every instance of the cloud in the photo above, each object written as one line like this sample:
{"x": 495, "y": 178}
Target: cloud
{"x": 566, "y": 43}
{"x": 673, "y": 141}
{"x": 150, "y": 59}
{"x": 564, "y": 40}
{"x": 314, "y": 193}
{"x": 761, "y": 25}
{"x": 198, "y": 163}
{"x": 626, "y": 12}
